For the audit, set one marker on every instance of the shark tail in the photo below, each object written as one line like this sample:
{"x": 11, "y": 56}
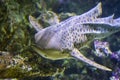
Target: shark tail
{"x": 75, "y": 53}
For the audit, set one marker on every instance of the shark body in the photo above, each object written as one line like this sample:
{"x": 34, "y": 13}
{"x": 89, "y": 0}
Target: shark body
{"x": 76, "y": 30}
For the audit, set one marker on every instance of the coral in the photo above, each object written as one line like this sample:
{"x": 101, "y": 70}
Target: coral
{"x": 16, "y": 38}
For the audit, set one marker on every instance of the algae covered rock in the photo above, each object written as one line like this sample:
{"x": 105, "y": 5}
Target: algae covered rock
{"x": 16, "y": 39}
{"x": 19, "y": 56}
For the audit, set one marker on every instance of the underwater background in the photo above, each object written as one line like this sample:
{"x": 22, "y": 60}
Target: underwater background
{"x": 19, "y": 61}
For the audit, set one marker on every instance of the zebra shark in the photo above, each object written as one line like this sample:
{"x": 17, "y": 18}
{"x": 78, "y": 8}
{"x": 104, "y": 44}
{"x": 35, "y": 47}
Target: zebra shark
{"x": 76, "y": 32}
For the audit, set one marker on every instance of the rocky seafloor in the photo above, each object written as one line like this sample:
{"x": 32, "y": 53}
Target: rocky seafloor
{"x": 19, "y": 61}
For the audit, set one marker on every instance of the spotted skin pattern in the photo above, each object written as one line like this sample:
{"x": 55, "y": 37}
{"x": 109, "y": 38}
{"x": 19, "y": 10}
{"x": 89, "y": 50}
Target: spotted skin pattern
{"x": 79, "y": 30}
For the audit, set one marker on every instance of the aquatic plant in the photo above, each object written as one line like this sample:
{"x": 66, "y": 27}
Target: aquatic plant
{"x": 16, "y": 38}
{"x": 115, "y": 74}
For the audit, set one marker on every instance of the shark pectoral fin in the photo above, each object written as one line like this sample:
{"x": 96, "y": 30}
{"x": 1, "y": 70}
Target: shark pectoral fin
{"x": 117, "y": 22}
{"x": 95, "y": 12}
{"x": 35, "y": 23}
{"x": 75, "y": 53}
{"x": 106, "y": 20}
